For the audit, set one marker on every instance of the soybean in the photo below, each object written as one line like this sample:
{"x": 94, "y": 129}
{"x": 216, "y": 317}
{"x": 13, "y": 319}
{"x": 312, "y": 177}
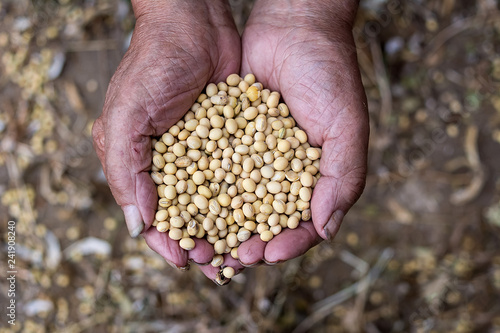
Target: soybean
{"x": 237, "y": 164}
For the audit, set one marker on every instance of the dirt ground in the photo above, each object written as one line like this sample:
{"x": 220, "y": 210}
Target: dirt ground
{"x": 419, "y": 252}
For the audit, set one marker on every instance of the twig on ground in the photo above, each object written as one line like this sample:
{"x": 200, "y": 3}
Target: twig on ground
{"x": 323, "y": 308}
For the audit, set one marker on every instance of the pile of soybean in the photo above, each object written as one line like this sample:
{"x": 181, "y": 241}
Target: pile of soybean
{"x": 236, "y": 165}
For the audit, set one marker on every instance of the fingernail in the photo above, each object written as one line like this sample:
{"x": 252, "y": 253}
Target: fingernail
{"x": 272, "y": 263}
{"x": 197, "y": 263}
{"x": 133, "y": 219}
{"x": 333, "y": 224}
{"x": 180, "y": 268}
{"x": 249, "y": 265}
{"x": 202, "y": 264}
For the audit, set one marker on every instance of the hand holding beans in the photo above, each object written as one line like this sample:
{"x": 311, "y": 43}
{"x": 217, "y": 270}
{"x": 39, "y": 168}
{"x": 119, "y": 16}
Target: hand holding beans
{"x": 157, "y": 81}
{"x": 302, "y": 49}
{"x": 305, "y": 50}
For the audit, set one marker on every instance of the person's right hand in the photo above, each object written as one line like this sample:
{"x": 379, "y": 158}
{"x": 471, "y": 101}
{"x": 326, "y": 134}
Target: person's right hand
{"x": 306, "y": 51}
{"x": 177, "y": 48}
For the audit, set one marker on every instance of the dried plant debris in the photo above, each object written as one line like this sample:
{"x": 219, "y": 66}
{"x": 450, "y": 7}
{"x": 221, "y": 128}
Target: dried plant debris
{"x": 431, "y": 71}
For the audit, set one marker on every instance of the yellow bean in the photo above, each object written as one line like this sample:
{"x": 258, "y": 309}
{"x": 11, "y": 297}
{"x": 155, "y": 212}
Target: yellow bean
{"x": 260, "y": 146}
{"x": 163, "y": 226}
{"x": 161, "y": 215}
{"x": 224, "y": 200}
{"x": 220, "y": 246}
{"x": 175, "y": 233}
{"x": 187, "y": 243}
{"x": 159, "y": 161}
{"x": 243, "y": 234}
{"x": 179, "y": 150}
{"x": 250, "y": 225}
{"x": 234, "y": 91}
{"x": 273, "y": 100}
{"x": 266, "y": 236}
{"x": 250, "y": 113}
{"x": 284, "y": 146}
{"x": 208, "y": 224}
{"x": 306, "y": 179}
{"x": 274, "y": 219}
{"x": 238, "y": 215}
{"x": 248, "y": 210}
{"x": 200, "y": 201}
{"x": 253, "y": 93}
{"x": 233, "y": 80}
{"x": 305, "y": 193}
{"x": 249, "y": 185}
{"x": 241, "y": 149}
{"x": 279, "y": 206}
{"x": 170, "y": 192}
{"x": 217, "y": 260}
{"x": 313, "y": 153}
{"x": 293, "y": 222}
{"x": 211, "y": 89}
{"x": 157, "y": 177}
{"x": 231, "y": 239}
{"x": 177, "y": 222}
{"x": 168, "y": 139}
{"x": 228, "y": 272}
{"x": 249, "y": 78}
{"x": 280, "y": 163}
{"x": 273, "y": 187}
{"x": 160, "y": 147}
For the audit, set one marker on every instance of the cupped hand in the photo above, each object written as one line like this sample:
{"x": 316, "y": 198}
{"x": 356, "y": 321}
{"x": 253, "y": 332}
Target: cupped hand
{"x": 177, "y": 48}
{"x": 307, "y": 52}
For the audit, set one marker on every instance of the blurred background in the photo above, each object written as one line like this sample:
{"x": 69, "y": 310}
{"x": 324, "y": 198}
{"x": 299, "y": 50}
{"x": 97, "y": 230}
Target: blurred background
{"x": 419, "y": 252}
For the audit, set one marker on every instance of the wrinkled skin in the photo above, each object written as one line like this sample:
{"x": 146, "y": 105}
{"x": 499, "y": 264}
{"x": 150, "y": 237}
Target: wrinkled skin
{"x": 174, "y": 55}
{"x": 314, "y": 67}
{"x": 169, "y": 62}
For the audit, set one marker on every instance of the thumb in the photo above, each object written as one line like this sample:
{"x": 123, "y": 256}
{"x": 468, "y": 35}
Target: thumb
{"x": 127, "y": 163}
{"x": 343, "y": 176}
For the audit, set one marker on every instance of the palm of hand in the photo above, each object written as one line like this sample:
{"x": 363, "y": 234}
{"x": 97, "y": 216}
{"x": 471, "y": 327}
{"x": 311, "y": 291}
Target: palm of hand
{"x": 322, "y": 90}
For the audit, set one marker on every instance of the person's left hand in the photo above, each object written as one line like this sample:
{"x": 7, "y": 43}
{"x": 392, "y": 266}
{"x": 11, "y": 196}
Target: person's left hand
{"x": 308, "y": 54}
{"x": 178, "y": 47}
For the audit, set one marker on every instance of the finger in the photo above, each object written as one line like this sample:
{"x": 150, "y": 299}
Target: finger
{"x": 251, "y": 252}
{"x": 202, "y": 253}
{"x": 119, "y": 177}
{"x": 229, "y": 42}
{"x": 210, "y": 272}
{"x": 229, "y": 62}
{"x": 168, "y": 248}
{"x": 234, "y": 263}
{"x": 343, "y": 174}
{"x": 290, "y": 243}
{"x": 127, "y": 167}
